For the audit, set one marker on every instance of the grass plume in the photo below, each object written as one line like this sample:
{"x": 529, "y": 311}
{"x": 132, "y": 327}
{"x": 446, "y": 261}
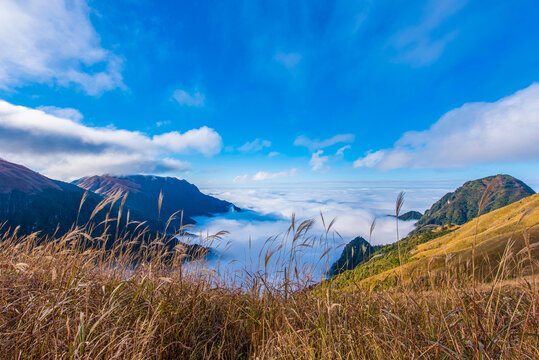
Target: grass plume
{"x": 71, "y": 297}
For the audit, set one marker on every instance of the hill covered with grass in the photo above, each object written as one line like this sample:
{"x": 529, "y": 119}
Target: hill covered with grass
{"x": 503, "y": 232}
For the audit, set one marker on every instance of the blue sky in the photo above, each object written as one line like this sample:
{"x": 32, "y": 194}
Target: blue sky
{"x": 245, "y": 92}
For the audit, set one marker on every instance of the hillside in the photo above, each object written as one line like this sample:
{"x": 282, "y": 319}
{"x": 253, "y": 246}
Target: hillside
{"x": 143, "y": 194}
{"x": 462, "y": 205}
{"x": 37, "y": 203}
{"x": 410, "y": 215}
{"x": 354, "y": 253}
{"x": 16, "y": 177}
{"x": 451, "y": 248}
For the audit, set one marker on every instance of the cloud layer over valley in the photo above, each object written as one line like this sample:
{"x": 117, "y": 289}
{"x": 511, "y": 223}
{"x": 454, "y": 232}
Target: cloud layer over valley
{"x": 353, "y": 205}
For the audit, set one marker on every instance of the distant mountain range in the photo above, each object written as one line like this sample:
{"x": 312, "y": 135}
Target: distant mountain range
{"x": 37, "y": 203}
{"x": 454, "y": 208}
{"x": 144, "y": 191}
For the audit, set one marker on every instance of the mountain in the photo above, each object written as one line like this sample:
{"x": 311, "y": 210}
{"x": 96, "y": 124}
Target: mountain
{"x": 37, "y": 203}
{"x": 354, "y": 253}
{"x": 143, "y": 194}
{"x": 450, "y": 248}
{"x": 410, "y": 215}
{"x": 34, "y": 202}
{"x": 460, "y": 206}
{"x": 456, "y": 207}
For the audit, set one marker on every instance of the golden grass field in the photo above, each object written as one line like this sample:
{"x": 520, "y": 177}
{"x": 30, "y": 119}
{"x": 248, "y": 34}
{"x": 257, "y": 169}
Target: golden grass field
{"x": 70, "y": 297}
{"x": 500, "y": 231}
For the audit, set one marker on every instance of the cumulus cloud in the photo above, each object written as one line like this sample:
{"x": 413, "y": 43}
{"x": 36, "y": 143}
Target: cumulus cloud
{"x": 196, "y": 99}
{"x": 503, "y": 131}
{"x": 317, "y": 160}
{"x": 65, "y": 148}
{"x": 254, "y": 146}
{"x": 288, "y": 60}
{"x": 204, "y": 140}
{"x": 54, "y": 41}
{"x": 263, "y": 175}
{"x": 318, "y": 144}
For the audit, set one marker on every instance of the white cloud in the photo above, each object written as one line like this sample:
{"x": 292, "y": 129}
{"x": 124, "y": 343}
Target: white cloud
{"x": 318, "y": 144}
{"x": 503, "y": 131}
{"x": 54, "y": 41}
{"x": 352, "y": 205}
{"x": 370, "y": 160}
{"x": 241, "y": 178}
{"x": 273, "y": 154}
{"x": 184, "y": 98}
{"x": 341, "y": 150}
{"x": 288, "y": 60}
{"x": 72, "y": 167}
{"x": 317, "y": 160}
{"x": 64, "y": 113}
{"x": 203, "y": 140}
{"x": 62, "y": 147}
{"x": 255, "y": 145}
{"x": 163, "y": 123}
{"x": 263, "y": 175}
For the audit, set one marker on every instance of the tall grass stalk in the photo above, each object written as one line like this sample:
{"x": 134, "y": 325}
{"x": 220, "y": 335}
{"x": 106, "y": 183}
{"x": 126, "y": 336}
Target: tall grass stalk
{"x": 81, "y": 296}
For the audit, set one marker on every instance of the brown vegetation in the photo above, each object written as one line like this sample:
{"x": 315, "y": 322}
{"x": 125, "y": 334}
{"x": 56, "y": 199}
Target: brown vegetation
{"x": 70, "y": 297}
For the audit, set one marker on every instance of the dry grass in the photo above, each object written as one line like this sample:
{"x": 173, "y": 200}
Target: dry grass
{"x": 72, "y": 297}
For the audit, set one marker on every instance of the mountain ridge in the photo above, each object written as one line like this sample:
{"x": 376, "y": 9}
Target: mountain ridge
{"x": 178, "y": 196}
{"x": 504, "y": 192}
{"x": 461, "y": 205}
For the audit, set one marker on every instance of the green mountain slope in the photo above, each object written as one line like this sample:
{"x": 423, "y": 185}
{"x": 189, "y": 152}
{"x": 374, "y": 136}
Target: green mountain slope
{"x": 422, "y": 254}
{"x": 462, "y": 205}
{"x": 354, "y": 253}
{"x": 410, "y": 215}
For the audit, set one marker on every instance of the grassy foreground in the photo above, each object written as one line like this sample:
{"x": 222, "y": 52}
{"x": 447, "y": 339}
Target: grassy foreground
{"x": 72, "y": 297}
{"x": 59, "y": 302}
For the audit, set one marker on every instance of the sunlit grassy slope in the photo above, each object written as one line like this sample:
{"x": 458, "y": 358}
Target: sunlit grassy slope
{"x": 73, "y": 297}
{"x": 453, "y": 249}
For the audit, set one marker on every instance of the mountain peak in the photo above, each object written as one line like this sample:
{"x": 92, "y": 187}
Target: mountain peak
{"x": 144, "y": 191}
{"x": 17, "y": 177}
{"x": 463, "y": 204}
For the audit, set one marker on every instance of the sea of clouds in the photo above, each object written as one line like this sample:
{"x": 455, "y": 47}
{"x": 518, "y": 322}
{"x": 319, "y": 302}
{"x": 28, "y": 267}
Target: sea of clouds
{"x": 353, "y": 205}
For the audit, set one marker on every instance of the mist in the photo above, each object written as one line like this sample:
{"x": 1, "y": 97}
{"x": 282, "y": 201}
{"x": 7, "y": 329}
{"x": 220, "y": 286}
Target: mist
{"x": 264, "y": 227}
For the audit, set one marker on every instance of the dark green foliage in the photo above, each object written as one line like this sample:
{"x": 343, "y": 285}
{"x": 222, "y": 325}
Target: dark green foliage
{"x": 353, "y": 254}
{"x": 386, "y": 257}
{"x": 410, "y": 215}
{"x": 462, "y": 205}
